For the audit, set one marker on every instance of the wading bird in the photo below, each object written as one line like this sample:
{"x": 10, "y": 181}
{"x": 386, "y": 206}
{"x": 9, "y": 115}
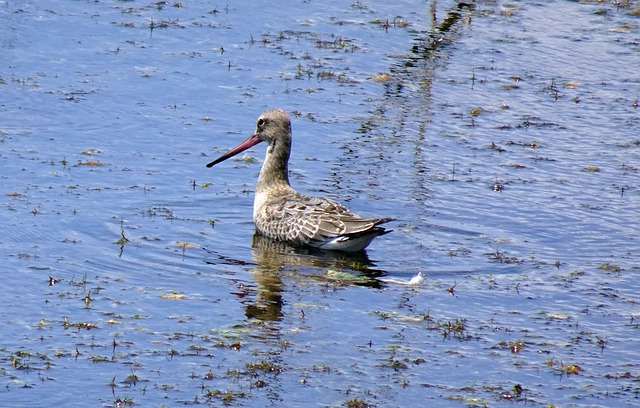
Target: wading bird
{"x": 282, "y": 214}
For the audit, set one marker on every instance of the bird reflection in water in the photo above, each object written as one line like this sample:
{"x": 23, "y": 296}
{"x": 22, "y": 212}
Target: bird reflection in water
{"x": 273, "y": 258}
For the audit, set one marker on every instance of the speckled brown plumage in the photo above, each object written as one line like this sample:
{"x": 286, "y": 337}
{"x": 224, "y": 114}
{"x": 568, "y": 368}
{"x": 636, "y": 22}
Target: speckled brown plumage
{"x": 282, "y": 214}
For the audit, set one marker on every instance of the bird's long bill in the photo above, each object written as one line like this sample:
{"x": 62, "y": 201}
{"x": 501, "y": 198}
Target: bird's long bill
{"x": 251, "y": 141}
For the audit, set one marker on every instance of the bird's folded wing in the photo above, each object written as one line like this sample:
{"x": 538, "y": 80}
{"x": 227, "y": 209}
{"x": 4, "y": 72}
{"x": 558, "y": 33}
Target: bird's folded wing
{"x": 308, "y": 219}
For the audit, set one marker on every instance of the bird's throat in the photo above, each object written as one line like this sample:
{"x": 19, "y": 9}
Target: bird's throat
{"x": 275, "y": 169}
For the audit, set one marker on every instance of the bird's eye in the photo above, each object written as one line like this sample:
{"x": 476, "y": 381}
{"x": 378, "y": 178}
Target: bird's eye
{"x": 260, "y": 123}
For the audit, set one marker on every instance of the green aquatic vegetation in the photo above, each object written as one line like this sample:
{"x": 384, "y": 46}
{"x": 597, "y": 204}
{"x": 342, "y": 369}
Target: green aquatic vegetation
{"x": 561, "y": 368}
{"x": 264, "y": 366}
{"x": 91, "y": 151}
{"x": 27, "y": 360}
{"x": 456, "y": 329}
{"x": 396, "y": 364}
{"x": 160, "y": 212}
{"x": 514, "y": 392}
{"x": 384, "y": 315}
{"x": 570, "y": 278}
{"x": 341, "y": 277}
{"x": 517, "y": 389}
{"x": 100, "y": 359}
{"x": 471, "y": 401}
{"x": 531, "y": 145}
{"x": 357, "y": 403}
{"x": 513, "y": 346}
{"x": 123, "y": 239}
{"x": 233, "y": 346}
{"x": 325, "y": 75}
{"x": 197, "y": 348}
{"x": 476, "y": 111}
{"x": 66, "y": 324}
{"x": 227, "y": 397}
{"x": 609, "y": 267}
{"x": 131, "y": 379}
{"x": 501, "y": 257}
{"x": 570, "y": 368}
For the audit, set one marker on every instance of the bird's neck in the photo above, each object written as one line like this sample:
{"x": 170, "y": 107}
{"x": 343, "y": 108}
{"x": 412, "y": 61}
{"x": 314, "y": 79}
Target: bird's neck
{"x": 275, "y": 169}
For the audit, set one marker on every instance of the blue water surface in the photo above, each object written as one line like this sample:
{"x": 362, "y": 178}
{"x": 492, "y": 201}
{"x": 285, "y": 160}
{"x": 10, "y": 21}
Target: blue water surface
{"x": 502, "y": 136}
